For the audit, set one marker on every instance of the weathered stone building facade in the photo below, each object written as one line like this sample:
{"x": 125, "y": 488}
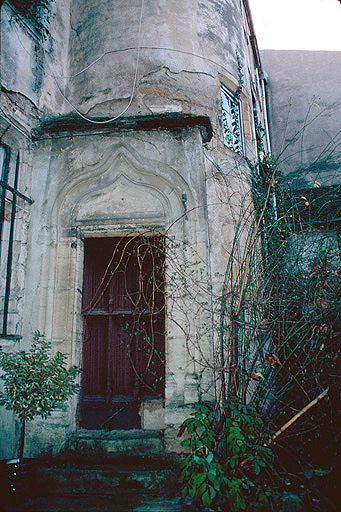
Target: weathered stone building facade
{"x": 130, "y": 119}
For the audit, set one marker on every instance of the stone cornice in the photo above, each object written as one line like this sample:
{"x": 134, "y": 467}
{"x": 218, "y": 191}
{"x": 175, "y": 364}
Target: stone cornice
{"x": 72, "y": 124}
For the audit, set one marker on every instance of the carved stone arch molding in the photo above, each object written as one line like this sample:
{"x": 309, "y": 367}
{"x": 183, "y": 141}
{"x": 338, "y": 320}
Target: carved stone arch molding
{"x": 124, "y": 188}
{"x": 123, "y": 193}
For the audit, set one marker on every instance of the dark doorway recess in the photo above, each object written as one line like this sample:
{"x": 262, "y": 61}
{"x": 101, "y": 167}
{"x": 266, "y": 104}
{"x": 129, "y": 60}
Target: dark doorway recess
{"x": 124, "y": 330}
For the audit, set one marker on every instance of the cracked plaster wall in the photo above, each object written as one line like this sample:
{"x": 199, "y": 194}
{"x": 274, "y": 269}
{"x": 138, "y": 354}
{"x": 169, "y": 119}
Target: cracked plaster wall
{"x": 77, "y": 180}
{"x": 30, "y": 62}
{"x": 182, "y": 51}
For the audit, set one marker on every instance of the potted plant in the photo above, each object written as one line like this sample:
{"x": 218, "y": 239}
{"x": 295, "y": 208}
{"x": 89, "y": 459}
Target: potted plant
{"x": 35, "y": 383}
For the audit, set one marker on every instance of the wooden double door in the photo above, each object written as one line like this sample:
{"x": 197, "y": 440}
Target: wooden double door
{"x": 123, "y": 330}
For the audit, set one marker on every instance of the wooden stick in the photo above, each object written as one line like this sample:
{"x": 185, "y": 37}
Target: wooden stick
{"x": 297, "y": 416}
{"x": 293, "y": 419}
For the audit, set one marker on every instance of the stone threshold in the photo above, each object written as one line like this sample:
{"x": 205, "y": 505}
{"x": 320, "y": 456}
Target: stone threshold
{"x": 113, "y": 444}
{"x": 117, "y": 434}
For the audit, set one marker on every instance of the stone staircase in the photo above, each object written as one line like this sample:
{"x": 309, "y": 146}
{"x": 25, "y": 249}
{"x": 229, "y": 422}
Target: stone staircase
{"x": 102, "y": 472}
{"x": 109, "y": 445}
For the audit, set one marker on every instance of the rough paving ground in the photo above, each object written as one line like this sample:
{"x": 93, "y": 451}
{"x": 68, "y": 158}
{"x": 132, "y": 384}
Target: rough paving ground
{"x": 120, "y": 486}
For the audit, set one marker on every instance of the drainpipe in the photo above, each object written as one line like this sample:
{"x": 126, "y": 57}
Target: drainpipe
{"x": 263, "y": 79}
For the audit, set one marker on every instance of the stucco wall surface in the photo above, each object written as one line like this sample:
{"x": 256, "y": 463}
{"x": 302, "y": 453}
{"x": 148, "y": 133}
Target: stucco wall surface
{"x": 30, "y": 63}
{"x": 88, "y": 180}
{"x": 183, "y": 48}
{"x": 305, "y": 107}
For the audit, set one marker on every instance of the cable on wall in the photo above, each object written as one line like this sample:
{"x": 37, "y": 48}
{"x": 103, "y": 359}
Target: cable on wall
{"x": 132, "y": 91}
{"x": 130, "y": 48}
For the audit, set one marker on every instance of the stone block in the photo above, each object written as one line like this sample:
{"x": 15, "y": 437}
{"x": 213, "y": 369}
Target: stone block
{"x": 152, "y": 415}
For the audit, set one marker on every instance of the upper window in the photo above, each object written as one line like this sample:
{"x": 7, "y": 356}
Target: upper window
{"x": 232, "y": 121}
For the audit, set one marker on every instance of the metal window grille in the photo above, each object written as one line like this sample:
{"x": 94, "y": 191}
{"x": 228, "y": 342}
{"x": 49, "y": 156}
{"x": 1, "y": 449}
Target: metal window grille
{"x": 8, "y": 194}
{"x": 231, "y": 121}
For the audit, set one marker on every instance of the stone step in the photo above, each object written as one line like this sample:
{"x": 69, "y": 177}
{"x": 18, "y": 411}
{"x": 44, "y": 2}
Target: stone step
{"x": 129, "y": 484}
{"x": 43, "y": 484}
{"x": 106, "y": 478}
{"x": 101, "y": 471}
{"x": 124, "y": 501}
{"x": 94, "y": 444}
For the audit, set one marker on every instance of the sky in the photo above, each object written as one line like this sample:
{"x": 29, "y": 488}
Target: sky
{"x": 297, "y": 24}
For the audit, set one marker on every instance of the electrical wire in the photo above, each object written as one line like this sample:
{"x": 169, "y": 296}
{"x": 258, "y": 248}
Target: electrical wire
{"x": 118, "y": 50}
{"x": 12, "y": 124}
{"x": 129, "y": 48}
{"x": 109, "y": 52}
{"x": 133, "y": 88}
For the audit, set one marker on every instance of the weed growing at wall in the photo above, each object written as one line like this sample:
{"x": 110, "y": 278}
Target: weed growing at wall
{"x": 276, "y": 329}
{"x": 228, "y": 464}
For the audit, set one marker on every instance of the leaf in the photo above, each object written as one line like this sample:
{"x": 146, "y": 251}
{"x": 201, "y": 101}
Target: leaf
{"x": 213, "y": 492}
{"x": 213, "y": 479}
{"x": 239, "y": 502}
{"x": 199, "y": 479}
{"x": 191, "y": 492}
{"x": 256, "y": 468}
{"x": 308, "y": 473}
{"x": 186, "y": 443}
{"x": 206, "y": 498}
{"x": 321, "y": 472}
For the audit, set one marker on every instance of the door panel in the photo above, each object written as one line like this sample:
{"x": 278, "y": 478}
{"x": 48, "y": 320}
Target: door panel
{"x": 123, "y": 340}
{"x": 95, "y": 346}
{"x": 123, "y": 382}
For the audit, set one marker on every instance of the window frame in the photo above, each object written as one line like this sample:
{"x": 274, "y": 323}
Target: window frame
{"x": 238, "y": 144}
{"x": 8, "y": 259}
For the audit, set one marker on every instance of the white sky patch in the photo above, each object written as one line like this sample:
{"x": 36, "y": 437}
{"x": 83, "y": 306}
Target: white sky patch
{"x": 297, "y": 24}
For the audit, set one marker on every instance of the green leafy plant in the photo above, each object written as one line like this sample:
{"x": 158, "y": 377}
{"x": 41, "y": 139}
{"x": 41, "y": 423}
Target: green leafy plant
{"x": 228, "y": 464}
{"x": 276, "y": 328}
{"x": 35, "y": 383}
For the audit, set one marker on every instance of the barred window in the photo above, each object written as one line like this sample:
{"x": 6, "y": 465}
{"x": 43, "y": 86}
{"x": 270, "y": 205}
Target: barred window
{"x": 231, "y": 121}
{"x": 9, "y": 194}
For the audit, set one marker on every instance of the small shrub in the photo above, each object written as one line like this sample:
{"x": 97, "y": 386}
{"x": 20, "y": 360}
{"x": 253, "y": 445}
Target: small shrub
{"x": 228, "y": 464}
{"x": 35, "y": 382}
